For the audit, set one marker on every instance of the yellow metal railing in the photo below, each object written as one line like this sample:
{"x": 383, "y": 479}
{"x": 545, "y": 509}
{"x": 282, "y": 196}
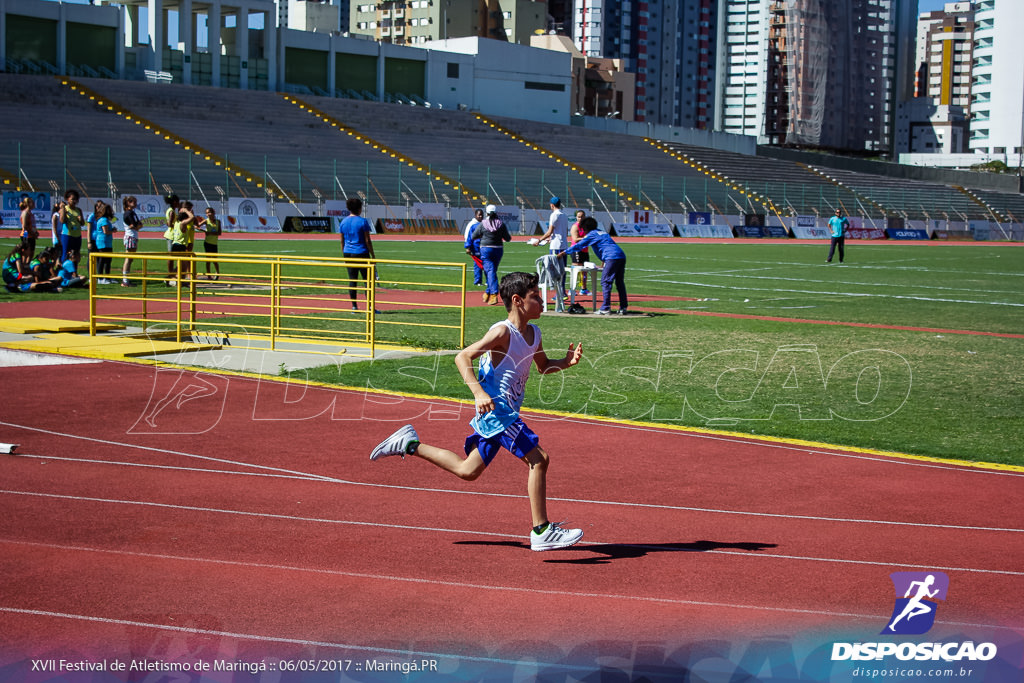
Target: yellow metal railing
{"x": 294, "y": 303}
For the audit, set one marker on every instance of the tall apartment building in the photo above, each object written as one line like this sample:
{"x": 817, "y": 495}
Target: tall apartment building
{"x": 817, "y": 73}
{"x": 411, "y": 22}
{"x": 317, "y": 16}
{"x": 669, "y": 44}
{"x": 997, "y": 89}
{"x": 945, "y": 52}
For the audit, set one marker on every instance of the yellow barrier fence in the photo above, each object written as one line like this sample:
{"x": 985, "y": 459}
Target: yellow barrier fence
{"x": 292, "y": 303}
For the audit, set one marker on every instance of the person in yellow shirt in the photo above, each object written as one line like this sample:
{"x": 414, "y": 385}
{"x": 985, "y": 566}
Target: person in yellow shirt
{"x": 211, "y": 241}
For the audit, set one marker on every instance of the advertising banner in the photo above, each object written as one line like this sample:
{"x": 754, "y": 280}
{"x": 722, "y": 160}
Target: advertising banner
{"x": 408, "y": 226}
{"x": 243, "y": 206}
{"x": 866, "y": 233}
{"x": 706, "y": 230}
{"x": 291, "y": 224}
{"x": 907, "y": 234}
{"x": 10, "y": 214}
{"x": 425, "y": 211}
{"x": 811, "y": 233}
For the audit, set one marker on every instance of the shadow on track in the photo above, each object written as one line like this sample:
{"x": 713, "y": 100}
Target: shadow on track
{"x": 603, "y": 553}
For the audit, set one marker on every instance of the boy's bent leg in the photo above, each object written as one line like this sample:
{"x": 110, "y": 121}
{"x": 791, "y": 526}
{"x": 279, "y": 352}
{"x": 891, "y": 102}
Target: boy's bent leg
{"x": 405, "y": 441}
{"x": 468, "y": 468}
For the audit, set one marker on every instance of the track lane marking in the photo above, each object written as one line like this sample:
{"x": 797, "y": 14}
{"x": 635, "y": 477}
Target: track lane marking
{"x": 382, "y": 525}
{"x": 479, "y": 586}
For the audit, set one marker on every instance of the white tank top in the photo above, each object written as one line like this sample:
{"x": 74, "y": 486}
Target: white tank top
{"x": 506, "y": 381}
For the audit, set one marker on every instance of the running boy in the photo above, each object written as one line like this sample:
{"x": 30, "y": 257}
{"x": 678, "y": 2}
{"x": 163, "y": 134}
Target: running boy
{"x": 506, "y": 352}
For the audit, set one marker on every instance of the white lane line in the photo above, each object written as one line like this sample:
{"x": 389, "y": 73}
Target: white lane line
{"x": 583, "y": 501}
{"x": 777, "y": 290}
{"x": 481, "y": 587}
{"x": 163, "y": 451}
{"x": 508, "y": 495}
{"x": 443, "y": 530}
{"x": 119, "y": 463}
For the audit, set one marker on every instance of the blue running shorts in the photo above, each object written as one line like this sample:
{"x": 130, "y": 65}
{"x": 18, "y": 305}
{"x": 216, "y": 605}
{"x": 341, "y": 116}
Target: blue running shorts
{"x": 517, "y": 439}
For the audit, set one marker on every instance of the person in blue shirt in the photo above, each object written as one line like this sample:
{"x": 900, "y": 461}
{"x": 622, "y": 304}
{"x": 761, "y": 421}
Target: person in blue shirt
{"x": 614, "y": 259}
{"x": 69, "y": 272}
{"x": 103, "y": 240}
{"x": 838, "y": 225}
{"x": 473, "y": 246}
{"x": 356, "y": 244}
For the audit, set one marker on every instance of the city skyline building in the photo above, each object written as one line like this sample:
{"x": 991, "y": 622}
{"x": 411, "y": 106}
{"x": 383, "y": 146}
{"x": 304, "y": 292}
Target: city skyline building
{"x": 414, "y": 22}
{"x": 670, "y": 45}
{"x": 814, "y": 73}
{"x": 997, "y": 89}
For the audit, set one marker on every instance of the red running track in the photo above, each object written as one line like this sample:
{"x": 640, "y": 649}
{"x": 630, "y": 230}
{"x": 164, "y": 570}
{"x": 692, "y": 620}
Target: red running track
{"x": 190, "y": 518}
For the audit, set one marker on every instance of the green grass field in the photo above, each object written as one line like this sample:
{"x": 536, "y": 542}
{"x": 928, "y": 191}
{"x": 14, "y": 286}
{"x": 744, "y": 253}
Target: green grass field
{"x": 933, "y": 391}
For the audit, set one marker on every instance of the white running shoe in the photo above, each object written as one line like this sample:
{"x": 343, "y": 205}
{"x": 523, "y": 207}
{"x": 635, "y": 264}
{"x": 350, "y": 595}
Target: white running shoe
{"x": 396, "y": 444}
{"x": 554, "y": 537}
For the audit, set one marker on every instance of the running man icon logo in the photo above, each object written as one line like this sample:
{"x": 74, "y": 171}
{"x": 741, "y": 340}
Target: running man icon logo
{"x": 916, "y": 596}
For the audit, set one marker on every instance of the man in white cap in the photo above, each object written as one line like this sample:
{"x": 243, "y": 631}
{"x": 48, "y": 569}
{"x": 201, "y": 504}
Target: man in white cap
{"x": 558, "y": 233}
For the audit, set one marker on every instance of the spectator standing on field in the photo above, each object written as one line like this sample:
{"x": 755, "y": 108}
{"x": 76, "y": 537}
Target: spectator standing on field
{"x": 211, "y": 228}
{"x": 614, "y": 260}
{"x": 492, "y": 234}
{"x": 104, "y": 241}
{"x": 356, "y": 244}
{"x": 71, "y": 221}
{"x": 576, "y": 233}
{"x": 838, "y": 224}
{"x": 557, "y": 234}
{"x": 132, "y": 225}
{"x": 29, "y": 233}
{"x": 473, "y": 246}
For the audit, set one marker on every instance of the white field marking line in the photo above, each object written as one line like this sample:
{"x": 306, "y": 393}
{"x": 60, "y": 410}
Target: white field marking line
{"x": 477, "y": 586}
{"x": 646, "y": 506}
{"x": 509, "y": 495}
{"x": 752, "y": 441}
{"x": 169, "y": 467}
{"x": 874, "y": 265}
{"x": 415, "y": 654}
{"x": 591, "y": 547}
{"x": 847, "y": 294}
{"x": 641, "y": 428}
{"x": 745, "y": 274}
{"x": 327, "y": 479}
{"x": 164, "y": 451}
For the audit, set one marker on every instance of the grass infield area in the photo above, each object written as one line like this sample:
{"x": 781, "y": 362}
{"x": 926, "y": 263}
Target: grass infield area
{"x": 923, "y": 356}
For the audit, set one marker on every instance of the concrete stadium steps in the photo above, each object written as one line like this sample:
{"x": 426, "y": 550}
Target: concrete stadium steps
{"x": 1004, "y": 203}
{"x": 55, "y": 125}
{"x": 49, "y": 130}
{"x": 451, "y": 142}
{"x": 790, "y": 186}
{"x": 630, "y": 163}
{"x": 912, "y": 199}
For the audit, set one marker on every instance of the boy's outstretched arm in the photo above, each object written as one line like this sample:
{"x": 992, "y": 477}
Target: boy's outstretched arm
{"x": 572, "y": 357}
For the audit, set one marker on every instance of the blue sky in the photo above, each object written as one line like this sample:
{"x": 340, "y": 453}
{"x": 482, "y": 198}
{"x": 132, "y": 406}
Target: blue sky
{"x": 930, "y": 5}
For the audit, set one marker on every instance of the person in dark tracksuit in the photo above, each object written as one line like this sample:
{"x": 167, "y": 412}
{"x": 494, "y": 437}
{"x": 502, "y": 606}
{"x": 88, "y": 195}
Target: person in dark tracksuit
{"x": 614, "y": 259}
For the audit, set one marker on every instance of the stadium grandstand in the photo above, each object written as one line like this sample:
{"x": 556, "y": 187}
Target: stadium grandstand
{"x": 104, "y": 136}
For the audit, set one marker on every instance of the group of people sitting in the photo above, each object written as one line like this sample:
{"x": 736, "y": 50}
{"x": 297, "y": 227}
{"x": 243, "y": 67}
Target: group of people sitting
{"x": 42, "y": 272}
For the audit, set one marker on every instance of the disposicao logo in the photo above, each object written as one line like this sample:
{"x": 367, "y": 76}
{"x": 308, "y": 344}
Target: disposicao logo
{"x": 917, "y": 596}
{"x": 916, "y": 601}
